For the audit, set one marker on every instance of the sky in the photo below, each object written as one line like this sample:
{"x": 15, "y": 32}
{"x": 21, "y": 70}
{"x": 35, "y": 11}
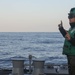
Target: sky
{"x": 34, "y": 15}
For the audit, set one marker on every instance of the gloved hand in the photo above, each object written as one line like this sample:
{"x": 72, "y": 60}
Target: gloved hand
{"x": 60, "y": 25}
{"x": 61, "y": 29}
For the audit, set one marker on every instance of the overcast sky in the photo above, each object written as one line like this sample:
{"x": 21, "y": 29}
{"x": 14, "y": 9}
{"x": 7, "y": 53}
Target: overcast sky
{"x": 34, "y": 15}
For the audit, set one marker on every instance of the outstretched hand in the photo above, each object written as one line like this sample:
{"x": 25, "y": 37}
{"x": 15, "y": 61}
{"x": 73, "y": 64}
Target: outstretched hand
{"x": 63, "y": 31}
{"x": 60, "y": 25}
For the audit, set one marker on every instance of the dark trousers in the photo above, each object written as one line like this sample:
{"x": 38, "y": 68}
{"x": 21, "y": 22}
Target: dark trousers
{"x": 71, "y": 64}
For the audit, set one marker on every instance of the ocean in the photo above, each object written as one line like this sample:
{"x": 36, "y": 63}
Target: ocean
{"x": 44, "y": 45}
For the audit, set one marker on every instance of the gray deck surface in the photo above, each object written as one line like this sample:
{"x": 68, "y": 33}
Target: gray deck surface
{"x": 8, "y": 72}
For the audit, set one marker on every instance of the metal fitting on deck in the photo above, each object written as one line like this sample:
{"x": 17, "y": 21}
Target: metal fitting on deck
{"x": 38, "y": 67}
{"x": 18, "y": 66}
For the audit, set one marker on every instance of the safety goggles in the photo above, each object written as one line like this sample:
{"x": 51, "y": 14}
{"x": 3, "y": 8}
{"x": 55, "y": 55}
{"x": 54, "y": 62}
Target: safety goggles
{"x": 70, "y": 16}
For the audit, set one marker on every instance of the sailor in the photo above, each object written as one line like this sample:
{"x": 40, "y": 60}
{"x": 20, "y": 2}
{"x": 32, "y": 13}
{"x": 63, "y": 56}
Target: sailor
{"x": 69, "y": 43}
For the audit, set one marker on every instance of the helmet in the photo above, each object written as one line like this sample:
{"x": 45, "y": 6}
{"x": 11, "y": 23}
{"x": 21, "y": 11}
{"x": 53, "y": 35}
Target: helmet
{"x": 72, "y": 11}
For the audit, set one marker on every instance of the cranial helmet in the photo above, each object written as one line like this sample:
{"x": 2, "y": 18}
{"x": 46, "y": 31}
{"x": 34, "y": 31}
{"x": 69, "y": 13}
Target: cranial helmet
{"x": 72, "y": 11}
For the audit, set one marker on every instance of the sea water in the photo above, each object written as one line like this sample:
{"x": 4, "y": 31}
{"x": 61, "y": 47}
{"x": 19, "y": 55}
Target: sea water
{"x": 44, "y": 45}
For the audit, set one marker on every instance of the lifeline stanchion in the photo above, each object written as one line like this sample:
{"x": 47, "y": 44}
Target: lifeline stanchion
{"x": 38, "y": 67}
{"x": 30, "y": 59}
{"x": 18, "y": 66}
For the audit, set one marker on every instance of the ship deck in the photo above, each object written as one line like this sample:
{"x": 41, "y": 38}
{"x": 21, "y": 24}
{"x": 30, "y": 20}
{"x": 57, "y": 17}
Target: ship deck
{"x": 9, "y": 72}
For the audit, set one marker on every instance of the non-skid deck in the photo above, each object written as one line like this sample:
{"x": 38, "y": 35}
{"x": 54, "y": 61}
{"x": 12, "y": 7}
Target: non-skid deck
{"x": 9, "y": 72}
